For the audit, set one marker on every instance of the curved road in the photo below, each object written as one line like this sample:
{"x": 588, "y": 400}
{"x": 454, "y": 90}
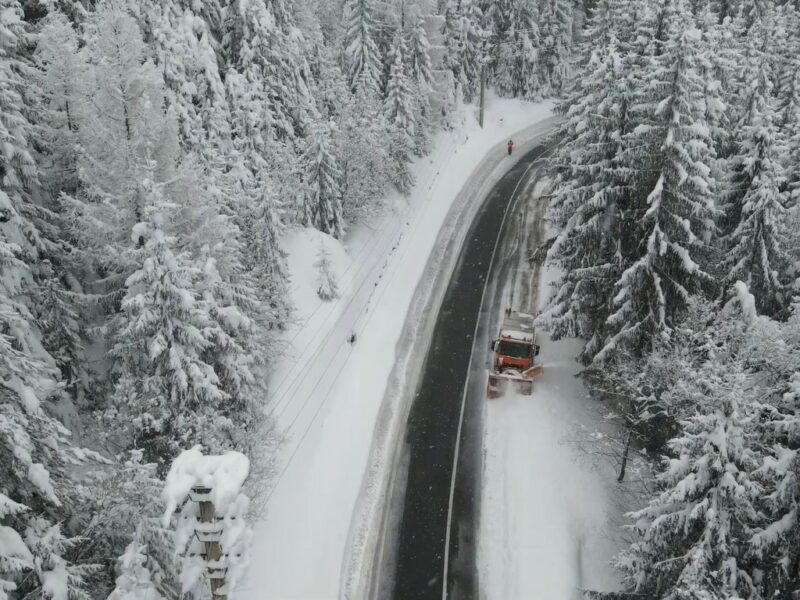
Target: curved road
{"x": 434, "y": 548}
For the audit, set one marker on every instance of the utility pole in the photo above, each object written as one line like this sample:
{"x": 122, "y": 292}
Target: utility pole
{"x": 486, "y": 58}
{"x": 204, "y": 493}
{"x": 483, "y": 92}
{"x": 209, "y": 535}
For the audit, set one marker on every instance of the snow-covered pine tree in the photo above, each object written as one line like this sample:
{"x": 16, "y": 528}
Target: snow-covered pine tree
{"x": 363, "y": 153}
{"x": 497, "y": 19}
{"x": 400, "y": 115}
{"x": 184, "y": 42}
{"x": 776, "y": 544}
{"x": 35, "y": 451}
{"x": 129, "y": 487}
{"x": 693, "y": 537}
{"x": 671, "y": 152}
{"x": 421, "y": 74}
{"x": 261, "y": 253}
{"x": 517, "y": 69}
{"x": 788, "y": 107}
{"x": 60, "y": 89}
{"x": 243, "y": 297}
{"x": 36, "y": 454}
{"x": 330, "y": 85}
{"x": 361, "y": 55}
{"x": 754, "y": 218}
{"x": 124, "y": 119}
{"x": 135, "y": 581}
{"x": 464, "y": 40}
{"x": 420, "y": 64}
{"x": 555, "y": 30}
{"x": 589, "y": 203}
{"x": 166, "y": 388}
{"x": 275, "y": 76}
{"x": 322, "y": 204}
{"x": 728, "y": 9}
{"x": 327, "y": 289}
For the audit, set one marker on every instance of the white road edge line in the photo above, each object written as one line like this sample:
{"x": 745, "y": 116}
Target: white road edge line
{"x": 466, "y": 382}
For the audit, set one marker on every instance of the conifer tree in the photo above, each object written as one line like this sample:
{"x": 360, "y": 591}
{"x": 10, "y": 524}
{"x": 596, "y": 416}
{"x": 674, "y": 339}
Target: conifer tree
{"x": 400, "y": 114}
{"x": 135, "y": 580}
{"x": 464, "y": 38}
{"x": 556, "y": 42}
{"x": 326, "y": 283}
{"x": 589, "y": 204}
{"x": 322, "y": 205}
{"x": 34, "y": 445}
{"x": 674, "y": 214}
{"x": 693, "y": 536}
{"x": 754, "y": 217}
{"x": 161, "y": 343}
{"x": 274, "y": 76}
{"x": 774, "y": 543}
{"x": 421, "y": 75}
{"x": 361, "y": 55}
{"x": 517, "y": 71}
{"x": 60, "y": 80}
{"x": 363, "y": 153}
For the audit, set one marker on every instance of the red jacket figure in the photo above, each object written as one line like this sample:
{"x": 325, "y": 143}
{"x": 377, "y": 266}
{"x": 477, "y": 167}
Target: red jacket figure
{"x": 510, "y": 146}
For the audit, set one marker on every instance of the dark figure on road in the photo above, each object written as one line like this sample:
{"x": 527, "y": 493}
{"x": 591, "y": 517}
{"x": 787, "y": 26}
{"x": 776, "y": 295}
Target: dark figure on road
{"x": 510, "y": 146}
{"x": 352, "y": 338}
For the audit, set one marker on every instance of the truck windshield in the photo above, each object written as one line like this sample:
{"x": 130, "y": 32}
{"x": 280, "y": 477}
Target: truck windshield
{"x": 513, "y": 349}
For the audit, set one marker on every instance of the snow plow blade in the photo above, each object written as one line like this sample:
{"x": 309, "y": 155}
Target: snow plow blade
{"x": 522, "y": 382}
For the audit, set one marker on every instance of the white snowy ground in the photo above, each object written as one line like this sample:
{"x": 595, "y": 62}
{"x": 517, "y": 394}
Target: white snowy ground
{"x": 327, "y": 395}
{"x": 544, "y": 508}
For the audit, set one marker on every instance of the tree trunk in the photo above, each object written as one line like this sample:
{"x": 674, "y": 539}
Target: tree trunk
{"x": 624, "y": 464}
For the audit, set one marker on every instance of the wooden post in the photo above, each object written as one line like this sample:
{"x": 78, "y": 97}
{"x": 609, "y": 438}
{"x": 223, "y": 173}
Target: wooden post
{"x": 483, "y": 92}
{"x": 212, "y": 548}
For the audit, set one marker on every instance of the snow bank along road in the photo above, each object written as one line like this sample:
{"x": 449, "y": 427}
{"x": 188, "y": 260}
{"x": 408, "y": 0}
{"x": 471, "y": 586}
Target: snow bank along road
{"x": 432, "y": 554}
{"x": 336, "y": 401}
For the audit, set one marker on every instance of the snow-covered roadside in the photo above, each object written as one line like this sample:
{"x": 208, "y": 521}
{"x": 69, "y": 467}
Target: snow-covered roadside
{"x": 328, "y": 394}
{"x": 543, "y": 511}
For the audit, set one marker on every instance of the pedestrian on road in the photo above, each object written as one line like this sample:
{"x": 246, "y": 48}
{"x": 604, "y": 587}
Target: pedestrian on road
{"x": 351, "y": 339}
{"x": 510, "y": 146}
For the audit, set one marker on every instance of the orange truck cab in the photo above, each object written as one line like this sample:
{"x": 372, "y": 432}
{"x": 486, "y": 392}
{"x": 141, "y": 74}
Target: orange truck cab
{"x": 515, "y": 351}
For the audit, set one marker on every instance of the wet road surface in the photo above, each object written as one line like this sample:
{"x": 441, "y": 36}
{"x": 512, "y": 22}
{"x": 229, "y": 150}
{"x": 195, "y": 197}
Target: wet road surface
{"x": 435, "y": 421}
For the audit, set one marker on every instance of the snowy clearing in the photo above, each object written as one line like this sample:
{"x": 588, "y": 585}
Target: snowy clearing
{"x": 329, "y": 395}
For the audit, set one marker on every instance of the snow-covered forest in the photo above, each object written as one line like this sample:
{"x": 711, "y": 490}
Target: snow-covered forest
{"x": 677, "y": 212}
{"x": 153, "y": 152}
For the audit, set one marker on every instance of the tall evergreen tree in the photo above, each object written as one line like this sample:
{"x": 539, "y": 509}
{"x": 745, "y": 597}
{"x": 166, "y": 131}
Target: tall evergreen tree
{"x": 589, "y": 202}
{"x": 517, "y": 70}
{"x": 322, "y": 205}
{"x": 755, "y": 216}
{"x": 165, "y": 384}
{"x": 464, "y": 40}
{"x": 400, "y": 114}
{"x": 694, "y": 536}
{"x": 673, "y": 149}
{"x": 556, "y": 42}
{"x": 363, "y": 154}
{"x": 361, "y": 55}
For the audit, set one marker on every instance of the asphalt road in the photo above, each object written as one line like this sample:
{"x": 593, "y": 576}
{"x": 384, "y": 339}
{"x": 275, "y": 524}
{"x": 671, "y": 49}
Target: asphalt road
{"x": 432, "y": 433}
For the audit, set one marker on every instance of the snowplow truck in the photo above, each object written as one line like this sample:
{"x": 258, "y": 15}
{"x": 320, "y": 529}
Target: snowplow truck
{"x": 515, "y": 352}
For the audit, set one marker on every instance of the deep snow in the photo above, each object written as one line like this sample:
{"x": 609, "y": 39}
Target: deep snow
{"x": 330, "y": 396}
